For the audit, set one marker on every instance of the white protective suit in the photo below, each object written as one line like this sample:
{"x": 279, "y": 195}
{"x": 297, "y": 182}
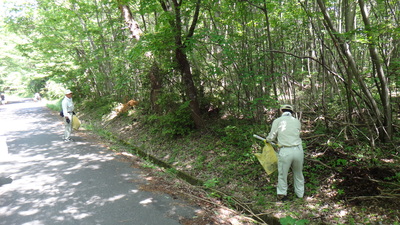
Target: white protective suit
{"x": 286, "y": 130}
{"x": 68, "y": 108}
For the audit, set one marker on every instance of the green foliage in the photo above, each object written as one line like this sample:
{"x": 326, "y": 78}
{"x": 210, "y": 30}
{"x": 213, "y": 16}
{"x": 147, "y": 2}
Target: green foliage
{"x": 100, "y": 106}
{"x": 105, "y": 134}
{"x": 200, "y": 161}
{"x": 396, "y": 178}
{"x": 175, "y": 123}
{"x": 288, "y": 220}
{"x": 229, "y": 200}
{"x": 340, "y": 191}
{"x": 172, "y": 171}
{"x": 238, "y": 135}
{"x": 260, "y": 199}
{"x": 55, "y": 105}
{"x": 212, "y": 183}
{"x": 37, "y": 84}
{"x": 338, "y": 162}
{"x": 319, "y": 128}
{"x": 53, "y": 90}
{"x": 311, "y": 175}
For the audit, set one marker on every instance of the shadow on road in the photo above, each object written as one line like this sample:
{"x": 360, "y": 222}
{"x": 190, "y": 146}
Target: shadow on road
{"x": 49, "y": 181}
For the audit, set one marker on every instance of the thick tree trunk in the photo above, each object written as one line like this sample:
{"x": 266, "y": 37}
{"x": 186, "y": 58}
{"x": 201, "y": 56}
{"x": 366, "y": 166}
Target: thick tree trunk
{"x": 156, "y": 87}
{"x": 183, "y": 64}
{"x": 191, "y": 91}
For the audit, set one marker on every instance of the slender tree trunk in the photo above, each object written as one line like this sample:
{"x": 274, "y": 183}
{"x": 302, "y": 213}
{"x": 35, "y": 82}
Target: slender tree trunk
{"x": 351, "y": 67}
{"x": 271, "y": 54}
{"x": 349, "y": 22}
{"x": 384, "y": 86}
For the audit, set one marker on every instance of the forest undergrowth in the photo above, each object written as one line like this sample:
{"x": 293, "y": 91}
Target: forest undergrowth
{"x": 347, "y": 181}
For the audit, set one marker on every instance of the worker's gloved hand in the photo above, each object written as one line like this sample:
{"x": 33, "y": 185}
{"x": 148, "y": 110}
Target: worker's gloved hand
{"x": 68, "y": 121}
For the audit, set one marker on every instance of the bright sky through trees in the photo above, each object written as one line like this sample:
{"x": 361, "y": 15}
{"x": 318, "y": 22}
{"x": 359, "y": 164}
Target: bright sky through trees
{"x": 14, "y": 67}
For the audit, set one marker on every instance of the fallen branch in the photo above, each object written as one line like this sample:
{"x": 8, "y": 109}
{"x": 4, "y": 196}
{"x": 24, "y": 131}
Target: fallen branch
{"x": 386, "y": 196}
{"x": 315, "y": 136}
{"x": 379, "y": 181}
{"x": 219, "y": 205}
{"x": 317, "y": 161}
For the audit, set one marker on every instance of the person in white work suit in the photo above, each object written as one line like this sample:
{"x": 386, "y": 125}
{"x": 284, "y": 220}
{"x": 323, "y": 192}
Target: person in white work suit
{"x": 286, "y": 131}
{"x": 68, "y": 109}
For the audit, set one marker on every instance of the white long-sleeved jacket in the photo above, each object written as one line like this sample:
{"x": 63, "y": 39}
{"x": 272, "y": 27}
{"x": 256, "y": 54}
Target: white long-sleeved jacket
{"x": 67, "y": 106}
{"x": 286, "y": 130}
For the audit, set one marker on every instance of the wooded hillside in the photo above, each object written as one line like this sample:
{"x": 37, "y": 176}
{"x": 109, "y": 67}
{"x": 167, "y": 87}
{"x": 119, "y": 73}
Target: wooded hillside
{"x": 339, "y": 59}
{"x": 226, "y": 66}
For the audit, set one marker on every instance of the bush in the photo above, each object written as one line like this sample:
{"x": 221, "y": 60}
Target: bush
{"x": 101, "y": 106}
{"x": 55, "y": 105}
{"x": 174, "y": 123}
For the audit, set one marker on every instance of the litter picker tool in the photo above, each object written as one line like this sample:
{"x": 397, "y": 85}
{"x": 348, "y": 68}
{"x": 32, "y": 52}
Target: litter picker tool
{"x": 258, "y": 137}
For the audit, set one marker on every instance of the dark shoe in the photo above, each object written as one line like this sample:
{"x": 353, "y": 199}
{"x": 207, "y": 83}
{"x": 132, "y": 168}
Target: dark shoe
{"x": 283, "y": 198}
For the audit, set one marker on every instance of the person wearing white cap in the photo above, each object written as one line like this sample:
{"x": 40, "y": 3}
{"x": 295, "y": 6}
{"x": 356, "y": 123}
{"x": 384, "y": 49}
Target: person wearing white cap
{"x": 286, "y": 131}
{"x": 68, "y": 109}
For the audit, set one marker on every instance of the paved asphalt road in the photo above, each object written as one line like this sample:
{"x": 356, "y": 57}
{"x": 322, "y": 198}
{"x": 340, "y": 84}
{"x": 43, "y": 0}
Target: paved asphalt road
{"x": 44, "y": 180}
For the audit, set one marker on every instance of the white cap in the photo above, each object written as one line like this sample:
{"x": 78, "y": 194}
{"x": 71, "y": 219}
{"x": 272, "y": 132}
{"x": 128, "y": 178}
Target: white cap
{"x": 68, "y": 92}
{"x": 287, "y": 107}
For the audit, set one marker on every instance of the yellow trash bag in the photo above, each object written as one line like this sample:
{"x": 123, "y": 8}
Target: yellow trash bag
{"x": 268, "y": 158}
{"x": 76, "y": 123}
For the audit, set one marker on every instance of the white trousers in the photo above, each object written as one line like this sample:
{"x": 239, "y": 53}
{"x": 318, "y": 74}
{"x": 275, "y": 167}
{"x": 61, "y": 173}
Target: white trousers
{"x": 68, "y": 127}
{"x": 291, "y": 157}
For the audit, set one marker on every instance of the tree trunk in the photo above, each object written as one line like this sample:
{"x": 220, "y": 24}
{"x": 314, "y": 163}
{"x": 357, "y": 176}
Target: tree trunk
{"x": 271, "y": 54}
{"x": 349, "y": 14}
{"x": 387, "y": 133}
{"x": 351, "y": 66}
{"x": 133, "y": 26}
{"x": 182, "y": 61}
{"x": 155, "y": 86}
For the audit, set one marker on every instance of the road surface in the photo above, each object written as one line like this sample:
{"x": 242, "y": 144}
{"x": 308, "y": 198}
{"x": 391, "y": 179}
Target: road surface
{"x": 44, "y": 180}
